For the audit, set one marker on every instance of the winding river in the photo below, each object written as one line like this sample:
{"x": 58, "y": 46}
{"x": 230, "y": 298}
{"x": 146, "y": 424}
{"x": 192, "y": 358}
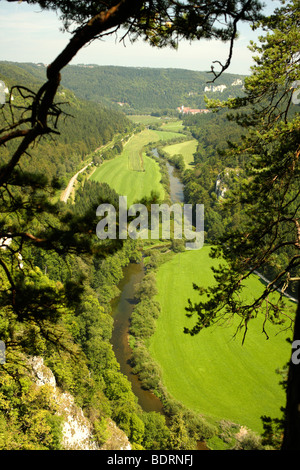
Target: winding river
{"x": 176, "y": 186}
{"x": 122, "y": 307}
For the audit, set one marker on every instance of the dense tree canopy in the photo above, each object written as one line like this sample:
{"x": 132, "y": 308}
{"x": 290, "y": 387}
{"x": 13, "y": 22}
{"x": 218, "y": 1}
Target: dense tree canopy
{"x": 148, "y": 19}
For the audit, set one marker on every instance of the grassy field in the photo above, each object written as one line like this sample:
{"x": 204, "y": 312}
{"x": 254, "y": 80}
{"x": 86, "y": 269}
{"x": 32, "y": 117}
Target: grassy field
{"x": 145, "y": 119}
{"x": 212, "y": 372}
{"x": 166, "y": 135}
{"x": 166, "y": 123}
{"x": 173, "y": 126}
{"x": 186, "y": 149}
{"x": 132, "y": 173}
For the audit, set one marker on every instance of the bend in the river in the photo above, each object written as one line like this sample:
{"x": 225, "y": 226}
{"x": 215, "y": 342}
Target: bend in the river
{"x": 123, "y": 305}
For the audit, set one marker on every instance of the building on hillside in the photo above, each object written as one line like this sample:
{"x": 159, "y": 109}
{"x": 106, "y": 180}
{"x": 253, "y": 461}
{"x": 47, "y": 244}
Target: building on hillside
{"x": 185, "y": 110}
{"x": 215, "y": 88}
{"x": 237, "y": 82}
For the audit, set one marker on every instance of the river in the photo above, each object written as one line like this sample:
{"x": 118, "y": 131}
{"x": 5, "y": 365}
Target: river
{"x": 122, "y": 307}
{"x": 176, "y": 186}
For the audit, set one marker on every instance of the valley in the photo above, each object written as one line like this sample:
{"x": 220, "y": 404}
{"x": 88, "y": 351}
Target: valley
{"x": 213, "y": 374}
{"x": 134, "y": 174}
{"x": 123, "y": 342}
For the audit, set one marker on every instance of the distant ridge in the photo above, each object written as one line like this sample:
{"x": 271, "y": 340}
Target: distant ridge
{"x": 142, "y": 89}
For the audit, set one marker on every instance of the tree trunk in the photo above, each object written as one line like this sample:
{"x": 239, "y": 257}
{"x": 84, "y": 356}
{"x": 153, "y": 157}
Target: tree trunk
{"x": 291, "y": 439}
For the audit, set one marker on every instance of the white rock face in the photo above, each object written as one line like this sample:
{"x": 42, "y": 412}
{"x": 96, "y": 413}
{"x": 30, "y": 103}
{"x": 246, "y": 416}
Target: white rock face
{"x": 215, "y": 88}
{"x": 77, "y": 430}
{"x": 77, "y": 433}
{"x": 42, "y": 374}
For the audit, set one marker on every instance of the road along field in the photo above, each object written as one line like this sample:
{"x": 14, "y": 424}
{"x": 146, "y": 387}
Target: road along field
{"x": 132, "y": 173}
{"x": 213, "y": 373}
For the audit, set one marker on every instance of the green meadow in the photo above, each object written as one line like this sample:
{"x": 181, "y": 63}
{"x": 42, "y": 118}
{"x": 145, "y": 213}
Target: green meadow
{"x": 212, "y": 372}
{"x": 173, "y": 126}
{"x": 167, "y": 124}
{"x": 186, "y": 149}
{"x": 144, "y": 119}
{"x": 132, "y": 173}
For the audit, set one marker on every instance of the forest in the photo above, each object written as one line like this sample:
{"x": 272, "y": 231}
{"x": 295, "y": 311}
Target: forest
{"x": 142, "y": 90}
{"x": 87, "y": 127}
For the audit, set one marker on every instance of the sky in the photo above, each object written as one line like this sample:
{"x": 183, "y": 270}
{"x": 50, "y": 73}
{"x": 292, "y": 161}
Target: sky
{"x": 28, "y": 34}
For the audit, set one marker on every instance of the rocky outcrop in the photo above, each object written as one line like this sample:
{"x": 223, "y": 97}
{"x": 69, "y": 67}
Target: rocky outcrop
{"x": 77, "y": 429}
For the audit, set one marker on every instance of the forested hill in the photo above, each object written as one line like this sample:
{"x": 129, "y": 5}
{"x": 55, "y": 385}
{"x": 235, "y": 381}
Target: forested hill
{"x": 143, "y": 90}
{"x": 85, "y": 127}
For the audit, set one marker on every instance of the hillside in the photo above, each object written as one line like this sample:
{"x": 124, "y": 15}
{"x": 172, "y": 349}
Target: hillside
{"x": 142, "y": 90}
{"x": 85, "y": 127}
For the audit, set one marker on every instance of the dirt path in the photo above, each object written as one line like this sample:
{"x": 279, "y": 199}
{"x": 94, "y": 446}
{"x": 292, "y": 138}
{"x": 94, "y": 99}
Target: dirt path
{"x": 66, "y": 193}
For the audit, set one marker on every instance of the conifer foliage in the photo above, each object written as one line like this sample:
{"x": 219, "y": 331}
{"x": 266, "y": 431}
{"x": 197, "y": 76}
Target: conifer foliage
{"x": 267, "y": 200}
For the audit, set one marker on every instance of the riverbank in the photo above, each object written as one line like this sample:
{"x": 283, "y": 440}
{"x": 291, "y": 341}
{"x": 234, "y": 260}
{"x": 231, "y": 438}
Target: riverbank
{"x": 133, "y": 336}
{"x": 172, "y": 381}
{"x": 248, "y": 387}
{"x": 122, "y": 308}
{"x": 133, "y": 173}
{"x": 134, "y": 324}
{"x": 135, "y": 312}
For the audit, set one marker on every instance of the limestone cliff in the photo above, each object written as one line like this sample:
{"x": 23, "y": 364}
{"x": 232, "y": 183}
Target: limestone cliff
{"x": 77, "y": 430}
